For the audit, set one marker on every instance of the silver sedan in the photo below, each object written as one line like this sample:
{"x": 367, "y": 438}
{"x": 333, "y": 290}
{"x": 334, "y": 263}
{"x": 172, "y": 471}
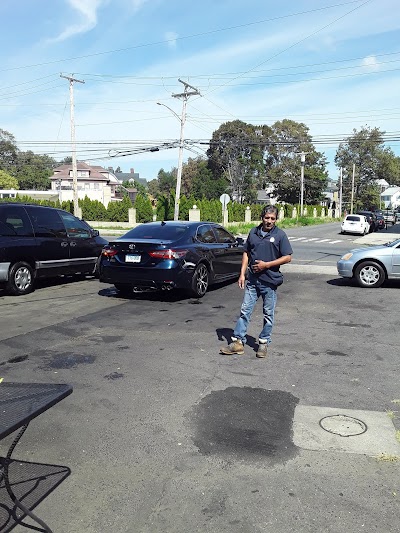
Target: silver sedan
{"x": 370, "y": 267}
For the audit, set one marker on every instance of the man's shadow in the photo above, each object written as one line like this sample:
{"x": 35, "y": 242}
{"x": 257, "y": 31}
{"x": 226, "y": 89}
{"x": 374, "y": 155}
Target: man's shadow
{"x": 225, "y": 334}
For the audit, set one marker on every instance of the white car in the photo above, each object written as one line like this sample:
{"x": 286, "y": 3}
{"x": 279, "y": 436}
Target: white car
{"x": 355, "y": 224}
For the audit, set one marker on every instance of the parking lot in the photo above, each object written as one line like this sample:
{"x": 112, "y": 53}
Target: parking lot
{"x": 163, "y": 434}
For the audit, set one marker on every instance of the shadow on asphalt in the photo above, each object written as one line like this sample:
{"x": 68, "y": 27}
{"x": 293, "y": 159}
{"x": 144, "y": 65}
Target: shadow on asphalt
{"x": 348, "y": 282}
{"x": 174, "y": 295}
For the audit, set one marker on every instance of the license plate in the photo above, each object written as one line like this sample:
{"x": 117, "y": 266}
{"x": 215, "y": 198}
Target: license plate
{"x": 132, "y": 259}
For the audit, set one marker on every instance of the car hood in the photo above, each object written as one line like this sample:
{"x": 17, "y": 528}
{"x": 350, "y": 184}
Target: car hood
{"x": 368, "y": 248}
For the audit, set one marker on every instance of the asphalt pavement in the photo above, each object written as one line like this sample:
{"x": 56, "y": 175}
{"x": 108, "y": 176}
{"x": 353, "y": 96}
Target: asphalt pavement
{"x": 164, "y": 434}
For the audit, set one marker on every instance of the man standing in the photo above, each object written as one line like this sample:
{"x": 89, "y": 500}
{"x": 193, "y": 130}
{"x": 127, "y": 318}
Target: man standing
{"x": 267, "y": 247}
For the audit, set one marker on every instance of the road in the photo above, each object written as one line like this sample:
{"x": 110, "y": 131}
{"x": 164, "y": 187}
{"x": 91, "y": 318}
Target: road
{"x": 164, "y": 435}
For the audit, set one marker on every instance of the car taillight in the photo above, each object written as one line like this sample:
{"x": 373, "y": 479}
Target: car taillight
{"x": 109, "y": 252}
{"x": 168, "y": 254}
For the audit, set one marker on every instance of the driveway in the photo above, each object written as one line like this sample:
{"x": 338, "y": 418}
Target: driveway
{"x": 163, "y": 434}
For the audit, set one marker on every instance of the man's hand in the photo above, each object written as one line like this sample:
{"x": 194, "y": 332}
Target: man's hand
{"x": 259, "y": 265}
{"x": 242, "y": 281}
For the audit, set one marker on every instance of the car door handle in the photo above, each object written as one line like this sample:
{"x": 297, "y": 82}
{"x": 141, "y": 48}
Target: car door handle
{"x": 64, "y": 244}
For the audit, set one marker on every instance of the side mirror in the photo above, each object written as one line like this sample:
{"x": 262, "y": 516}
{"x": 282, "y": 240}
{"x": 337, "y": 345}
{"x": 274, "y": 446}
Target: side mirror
{"x": 240, "y": 241}
{"x": 95, "y": 233}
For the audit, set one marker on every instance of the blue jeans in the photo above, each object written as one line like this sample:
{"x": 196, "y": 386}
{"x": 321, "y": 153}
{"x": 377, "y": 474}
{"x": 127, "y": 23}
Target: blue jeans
{"x": 254, "y": 289}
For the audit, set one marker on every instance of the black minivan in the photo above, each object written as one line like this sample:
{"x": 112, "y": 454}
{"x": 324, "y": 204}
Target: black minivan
{"x": 38, "y": 241}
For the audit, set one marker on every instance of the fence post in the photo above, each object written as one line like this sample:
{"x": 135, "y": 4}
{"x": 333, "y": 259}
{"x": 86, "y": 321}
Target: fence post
{"x": 132, "y": 216}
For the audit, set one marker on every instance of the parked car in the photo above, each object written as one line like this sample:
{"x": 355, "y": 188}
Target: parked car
{"x": 169, "y": 255}
{"x": 397, "y": 217}
{"x": 371, "y": 266}
{"x": 380, "y": 221}
{"x": 355, "y": 224}
{"x": 389, "y": 217}
{"x": 371, "y": 217}
{"x": 38, "y": 241}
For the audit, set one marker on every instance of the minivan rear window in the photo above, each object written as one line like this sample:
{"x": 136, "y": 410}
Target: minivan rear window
{"x": 166, "y": 232}
{"x": 14, "y": 221}
{"x": 353, "y": 218}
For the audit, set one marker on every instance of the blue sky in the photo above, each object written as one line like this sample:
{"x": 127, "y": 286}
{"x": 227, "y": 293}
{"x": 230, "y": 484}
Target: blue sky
{"x": 331, "y": 64}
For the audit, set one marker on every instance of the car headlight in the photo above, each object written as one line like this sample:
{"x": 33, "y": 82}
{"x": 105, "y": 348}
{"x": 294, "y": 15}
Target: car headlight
{"x": 346, "y": 257}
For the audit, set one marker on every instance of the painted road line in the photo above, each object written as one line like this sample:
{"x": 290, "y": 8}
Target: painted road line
{"x": 296, "y": 238}
{"x": 324, "y": 240}
{"x": 334, "y": 242}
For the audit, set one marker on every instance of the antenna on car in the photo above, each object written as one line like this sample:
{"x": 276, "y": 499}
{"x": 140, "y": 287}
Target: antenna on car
{"x": 163, "y": 223}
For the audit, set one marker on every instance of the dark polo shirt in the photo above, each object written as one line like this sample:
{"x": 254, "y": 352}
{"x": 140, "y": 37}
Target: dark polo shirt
{"x": 272, "y": 246}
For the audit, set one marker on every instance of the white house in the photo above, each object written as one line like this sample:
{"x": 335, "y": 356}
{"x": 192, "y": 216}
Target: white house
{"x": 95, "y": 182}
{"x": 390, "y": 197}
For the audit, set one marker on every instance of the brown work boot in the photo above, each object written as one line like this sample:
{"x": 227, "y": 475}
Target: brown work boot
{"x": 262, "y": 350}
{"x": 235, "y": 347}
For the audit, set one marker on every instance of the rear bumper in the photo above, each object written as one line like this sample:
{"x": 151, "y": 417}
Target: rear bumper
{"x": 146, "y": 278}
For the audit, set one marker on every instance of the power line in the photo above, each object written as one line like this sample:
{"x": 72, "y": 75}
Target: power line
{"x": 210, "y": 32}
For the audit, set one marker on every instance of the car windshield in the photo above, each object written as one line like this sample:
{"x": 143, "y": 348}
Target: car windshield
{"x": 165, "y": 232}
{"x": 393, "y": 243}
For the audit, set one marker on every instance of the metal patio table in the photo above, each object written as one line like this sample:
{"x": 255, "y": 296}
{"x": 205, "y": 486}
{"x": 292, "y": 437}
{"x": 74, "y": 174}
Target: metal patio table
{"x": 19, "y": 404}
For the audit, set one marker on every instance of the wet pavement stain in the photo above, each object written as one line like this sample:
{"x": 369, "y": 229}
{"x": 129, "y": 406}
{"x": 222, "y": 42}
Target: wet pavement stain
{"x": 18, "y": 359}
{"x": 70, "y": 360}
{"x": 114, "y": 375}
{"x": 334, "y": 352}
{"x": 246, "y": 423}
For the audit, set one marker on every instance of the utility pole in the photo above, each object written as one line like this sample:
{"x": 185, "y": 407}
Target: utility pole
{"x": 185, "y": 96}
{"x": 73, "y": 144}
{"x": 352, "y": 189}
{"x": 340, "y": 191}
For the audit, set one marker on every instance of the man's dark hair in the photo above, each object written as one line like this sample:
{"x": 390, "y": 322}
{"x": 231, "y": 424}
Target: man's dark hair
{"x": 269, "y": 209}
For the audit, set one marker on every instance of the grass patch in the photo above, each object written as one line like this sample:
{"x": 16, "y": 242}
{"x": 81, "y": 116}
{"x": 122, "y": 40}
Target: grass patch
{"x": 391, "y": 414}
{"x": 286, "y": 223}
{"x": 398, "y": 435}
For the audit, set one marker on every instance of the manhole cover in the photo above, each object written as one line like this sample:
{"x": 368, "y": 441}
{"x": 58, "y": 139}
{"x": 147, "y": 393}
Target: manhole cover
{"x": 343, "y": 425}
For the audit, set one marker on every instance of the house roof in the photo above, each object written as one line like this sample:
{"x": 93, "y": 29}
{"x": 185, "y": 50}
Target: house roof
{"x": 63, "y": 172}
{"x": 390, "y": 191}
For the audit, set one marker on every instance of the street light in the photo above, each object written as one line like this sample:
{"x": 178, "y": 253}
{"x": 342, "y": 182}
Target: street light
{"x": 180, "y": 157}
{"x": 303, "y": 160}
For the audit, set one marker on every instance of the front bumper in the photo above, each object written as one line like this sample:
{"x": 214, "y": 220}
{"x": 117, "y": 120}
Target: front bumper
{"x": 345, "y": 269}
{"x": 4, "y": 269}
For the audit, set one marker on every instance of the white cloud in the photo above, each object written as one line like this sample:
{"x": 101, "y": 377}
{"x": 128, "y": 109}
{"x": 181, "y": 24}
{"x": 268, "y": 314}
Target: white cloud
{"x": 171, "y": 37}
{"x": 137, "y": 4}
{"x": 370, "y": 62}
{"x": 87, "y": 10}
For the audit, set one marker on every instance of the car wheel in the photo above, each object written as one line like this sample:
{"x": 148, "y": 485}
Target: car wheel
{"x": 200, "y": 281}
{"x": 123, "y": 288}
{"x": 369, "y": 274}
{"x": 20, "y": 279}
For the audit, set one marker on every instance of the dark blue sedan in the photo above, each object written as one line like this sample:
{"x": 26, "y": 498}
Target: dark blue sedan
{"x": 169, "y": 255}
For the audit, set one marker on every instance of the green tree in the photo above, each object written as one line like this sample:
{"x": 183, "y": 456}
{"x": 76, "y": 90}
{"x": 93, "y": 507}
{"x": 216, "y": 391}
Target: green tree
{"x": 365, "y": 150}
{"x": 283, "y": 163}
{"x": 33, "y": 171}
{"x": 198, "y": 180}
{"x": 153, "y": 188}
{"x": 144, "y": 210}
{"x": 8, "y": 150}
{"x": 236, "y": 153}
{"x": 7, "y": 181}
{"x": 167, "y": 181}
